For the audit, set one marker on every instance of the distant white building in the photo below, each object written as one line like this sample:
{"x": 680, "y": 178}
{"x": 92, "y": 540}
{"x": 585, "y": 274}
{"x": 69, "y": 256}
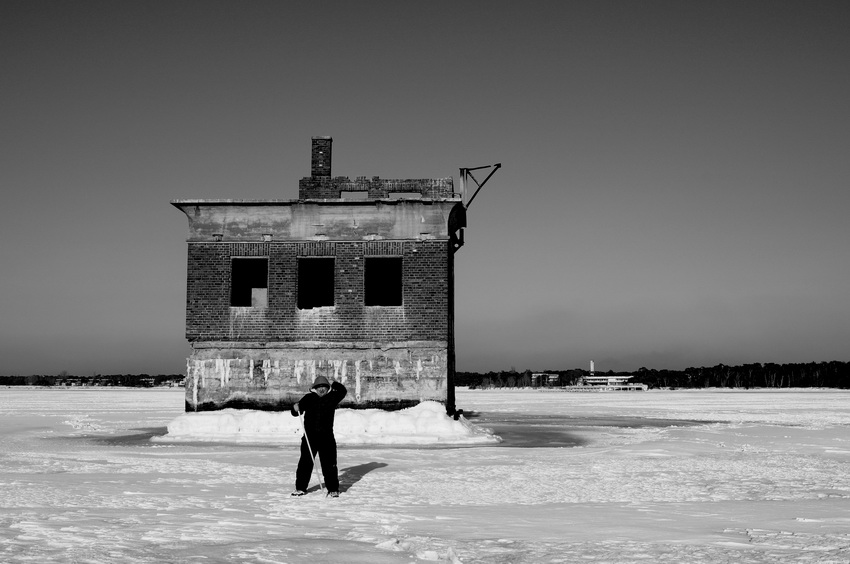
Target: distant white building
{"x": 610, "y": 382}
{"x": 605, "y": 380}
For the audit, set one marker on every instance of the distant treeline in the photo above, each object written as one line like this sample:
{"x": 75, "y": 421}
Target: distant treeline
{"x": 770, "y": 375}
{"x": 833, "y": 374}
{"x": 64, "y": 379}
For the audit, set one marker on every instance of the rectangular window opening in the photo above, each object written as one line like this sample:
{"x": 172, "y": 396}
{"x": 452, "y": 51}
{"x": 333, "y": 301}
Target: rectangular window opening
{"x": 249, "y": 282}
{"x": 406, "y": 195}
{"x": 382, "y": 281}
{"x": 354, "y": 194}
{"x": 315, "y": 282}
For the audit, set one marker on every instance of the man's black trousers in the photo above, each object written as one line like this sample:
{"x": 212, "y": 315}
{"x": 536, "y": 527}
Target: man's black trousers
{"x": 326, "y": 447}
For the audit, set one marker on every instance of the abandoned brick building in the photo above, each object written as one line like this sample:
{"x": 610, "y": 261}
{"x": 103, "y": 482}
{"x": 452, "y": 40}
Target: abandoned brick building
{"x": 358, "y": 289}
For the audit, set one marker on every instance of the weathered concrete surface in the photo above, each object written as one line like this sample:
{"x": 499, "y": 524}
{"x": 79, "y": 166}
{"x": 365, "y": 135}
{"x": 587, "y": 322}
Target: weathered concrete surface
{"x": 350, "y": 220}
{"x": 273, "y": 376}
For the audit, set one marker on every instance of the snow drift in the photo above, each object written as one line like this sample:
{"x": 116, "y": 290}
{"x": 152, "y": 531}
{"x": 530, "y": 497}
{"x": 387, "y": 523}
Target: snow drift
{"x": 426, "y": 423}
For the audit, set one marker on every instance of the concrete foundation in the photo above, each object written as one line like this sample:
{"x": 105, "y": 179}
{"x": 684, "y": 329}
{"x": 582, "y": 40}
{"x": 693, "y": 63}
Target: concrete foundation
{"x": 274, "y": 376}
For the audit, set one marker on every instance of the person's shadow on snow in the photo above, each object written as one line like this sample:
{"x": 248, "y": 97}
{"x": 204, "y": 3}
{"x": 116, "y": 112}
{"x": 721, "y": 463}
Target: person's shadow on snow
{"x": 353, "y": 474}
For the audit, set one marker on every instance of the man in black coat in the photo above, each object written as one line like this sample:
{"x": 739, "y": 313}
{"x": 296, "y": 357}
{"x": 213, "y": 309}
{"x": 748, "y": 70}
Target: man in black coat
{"x": 318, "y": 408}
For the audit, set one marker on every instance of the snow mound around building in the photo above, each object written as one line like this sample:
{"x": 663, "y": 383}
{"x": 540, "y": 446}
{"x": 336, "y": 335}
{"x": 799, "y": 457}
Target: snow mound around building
{"x": 423, "y": 424}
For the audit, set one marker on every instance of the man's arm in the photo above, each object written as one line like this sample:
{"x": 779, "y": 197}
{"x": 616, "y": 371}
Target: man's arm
{"x": 338, "y": 390}
{"x": 301, "y": 406}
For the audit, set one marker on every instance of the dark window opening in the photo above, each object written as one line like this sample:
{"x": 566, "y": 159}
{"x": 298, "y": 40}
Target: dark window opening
{"x": 382, "y": 281}
{"x": 315, "y": 282}
{"x": 249, "y": 282}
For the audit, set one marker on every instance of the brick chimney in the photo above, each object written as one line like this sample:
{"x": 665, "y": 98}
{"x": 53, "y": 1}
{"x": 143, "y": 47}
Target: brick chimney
{"x": 320, "y": 156}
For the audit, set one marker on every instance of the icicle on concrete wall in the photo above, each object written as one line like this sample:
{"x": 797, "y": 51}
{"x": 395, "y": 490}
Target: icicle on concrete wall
{"x": 255, "y": 380}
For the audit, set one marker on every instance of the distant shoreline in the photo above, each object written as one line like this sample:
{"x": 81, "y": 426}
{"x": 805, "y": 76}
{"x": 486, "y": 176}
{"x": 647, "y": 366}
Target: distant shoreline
{"x": 466, "y": 388}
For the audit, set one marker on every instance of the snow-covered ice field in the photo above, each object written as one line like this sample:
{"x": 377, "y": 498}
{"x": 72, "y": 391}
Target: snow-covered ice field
{"x": 659, "y": 476}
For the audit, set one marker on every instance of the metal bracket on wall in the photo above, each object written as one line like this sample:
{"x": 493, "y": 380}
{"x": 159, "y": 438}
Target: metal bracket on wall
{"x": 457, "y": 217}
{"x": 467, "y": 173}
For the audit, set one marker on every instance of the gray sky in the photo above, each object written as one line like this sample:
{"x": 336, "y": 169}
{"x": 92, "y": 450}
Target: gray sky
{"x": 674, "y": 190}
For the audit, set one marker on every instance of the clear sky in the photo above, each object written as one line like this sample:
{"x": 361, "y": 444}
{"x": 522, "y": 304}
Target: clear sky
{"x": 674, "y": 190}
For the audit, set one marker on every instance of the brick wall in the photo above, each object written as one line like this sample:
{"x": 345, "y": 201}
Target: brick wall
{"x": 207, "y": 289}
{"x": 320, "y": 156}
{"x": 424, "y": 315}
{"x": 320, "y": 188}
